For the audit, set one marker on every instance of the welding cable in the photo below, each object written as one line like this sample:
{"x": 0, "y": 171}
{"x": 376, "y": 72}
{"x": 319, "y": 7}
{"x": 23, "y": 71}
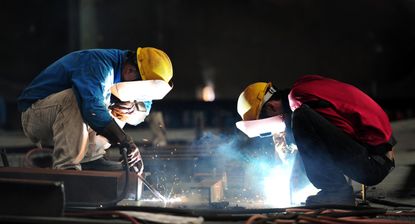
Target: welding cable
{"x": 207, "y": 214}
{"x": 338, "y": 210}
{"x": 332, "y": 206}
{"x": 336, "y": 214}
{"x": 105, "y": 214}
{"x": 107, "y": 203}
{"x": 317, "y": 220}
{"x": 28, "y": 161}
{"x": 294, "y": 218}
{"x": 363, "y": 220}
{"x": 368, "y": 212}
{"x": 332, "y": 220}
{"x": 332, "y": 216}
{"x": 305, "y": 210}
{"x": 285, "y": 218}
{"x": 253, "y": 218}
{"x": 244, "y": 214}
{"x": 362, "y": 216}
{"x": 282, "y": 221}
{"x": 329, "y": 215}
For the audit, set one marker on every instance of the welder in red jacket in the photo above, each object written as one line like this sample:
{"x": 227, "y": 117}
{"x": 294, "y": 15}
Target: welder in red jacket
{"x": 338, "y": 130}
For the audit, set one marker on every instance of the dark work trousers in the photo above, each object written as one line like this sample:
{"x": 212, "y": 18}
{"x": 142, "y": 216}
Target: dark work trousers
{"x": 328, "y": 153}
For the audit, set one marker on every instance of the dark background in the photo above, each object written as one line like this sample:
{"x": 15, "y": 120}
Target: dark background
{"x": 232, "y": 43}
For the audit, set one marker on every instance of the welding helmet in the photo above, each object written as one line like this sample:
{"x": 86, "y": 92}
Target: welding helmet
{"x": 252, "y": 99}
{"x": 154, "y": 64}
{"x": 250, "y": 103}
{"x": 156, "y": 72}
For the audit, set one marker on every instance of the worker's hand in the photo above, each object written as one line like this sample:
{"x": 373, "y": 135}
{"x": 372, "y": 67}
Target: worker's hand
{"x": 134, "y": 160}
{"x": 122, "y": 110}
{"x": 282, "y": 149}
{"x": 117, "y": 136}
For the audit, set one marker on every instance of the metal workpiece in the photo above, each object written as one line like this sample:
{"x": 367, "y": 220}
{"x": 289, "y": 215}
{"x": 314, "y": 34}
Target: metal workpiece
{"x": 81, "y": 187}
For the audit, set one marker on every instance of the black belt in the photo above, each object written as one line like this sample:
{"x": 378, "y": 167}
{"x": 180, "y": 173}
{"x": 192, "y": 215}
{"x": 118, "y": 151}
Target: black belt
{"x": 379, "y": 152}
{"x": 382, "y": 149}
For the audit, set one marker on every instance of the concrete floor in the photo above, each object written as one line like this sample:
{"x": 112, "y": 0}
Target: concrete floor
{"x": 399, "y": 185}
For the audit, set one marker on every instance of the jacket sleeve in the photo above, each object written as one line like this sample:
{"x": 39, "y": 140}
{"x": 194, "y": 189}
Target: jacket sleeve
{"x": 91, "y": 85}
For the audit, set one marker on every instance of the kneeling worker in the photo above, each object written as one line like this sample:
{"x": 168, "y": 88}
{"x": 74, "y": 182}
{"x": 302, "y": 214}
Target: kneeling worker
{"x": 338, "y": 130}
{"x": 80, "y": 103}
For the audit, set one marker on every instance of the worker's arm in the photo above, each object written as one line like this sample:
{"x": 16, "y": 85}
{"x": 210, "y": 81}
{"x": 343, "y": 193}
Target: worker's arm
{"x": 117, "y": 136}
{"x": 91, "y": 87}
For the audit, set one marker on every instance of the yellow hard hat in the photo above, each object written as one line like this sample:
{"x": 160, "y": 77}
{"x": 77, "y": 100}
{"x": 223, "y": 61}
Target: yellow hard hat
{"x": 154, "y": 64}
{"x": 252, "y": 99}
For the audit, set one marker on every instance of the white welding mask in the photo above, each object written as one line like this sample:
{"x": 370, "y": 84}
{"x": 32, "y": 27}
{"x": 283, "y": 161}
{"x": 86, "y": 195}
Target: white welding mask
{"x": 262, "y": 127}
{"x": 143, "y": 90}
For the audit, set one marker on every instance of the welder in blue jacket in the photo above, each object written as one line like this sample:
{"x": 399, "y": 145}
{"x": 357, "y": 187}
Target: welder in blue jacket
{"x": 80, "y": 103}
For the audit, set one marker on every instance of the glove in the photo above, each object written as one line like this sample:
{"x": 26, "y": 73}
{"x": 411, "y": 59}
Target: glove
{"x": 117, "y": 136}
{"x": 134, "y": 161}
{"x": 122, "y": 109}
{"x": 282, "y": 149}
{"x": 132, "y": 113}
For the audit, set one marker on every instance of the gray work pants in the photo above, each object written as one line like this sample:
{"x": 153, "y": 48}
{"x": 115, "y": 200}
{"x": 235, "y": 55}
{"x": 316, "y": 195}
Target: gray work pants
{"x": 56, "y": 121}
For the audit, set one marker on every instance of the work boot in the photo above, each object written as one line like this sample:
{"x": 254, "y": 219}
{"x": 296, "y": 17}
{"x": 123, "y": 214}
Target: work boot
{"x": 103, "y": 165}
{"x": 342, "y": 196}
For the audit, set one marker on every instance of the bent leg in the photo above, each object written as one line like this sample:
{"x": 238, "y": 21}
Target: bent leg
{"x": 328, "y": 153}
{"x": 56, "y": 120}
{"x": 73, "y": 138}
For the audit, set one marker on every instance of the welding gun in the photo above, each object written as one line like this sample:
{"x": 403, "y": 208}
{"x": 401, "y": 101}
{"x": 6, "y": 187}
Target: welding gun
{"x": 138, "y": 168}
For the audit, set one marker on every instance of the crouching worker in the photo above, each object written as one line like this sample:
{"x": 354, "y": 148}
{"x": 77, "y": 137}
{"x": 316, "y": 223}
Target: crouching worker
{"x": 70, "y": 105}
{"x": 338, "y": 130}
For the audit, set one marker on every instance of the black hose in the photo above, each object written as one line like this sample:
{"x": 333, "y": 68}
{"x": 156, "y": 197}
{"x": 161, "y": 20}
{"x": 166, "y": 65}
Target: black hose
{"x": 107, "y": 203}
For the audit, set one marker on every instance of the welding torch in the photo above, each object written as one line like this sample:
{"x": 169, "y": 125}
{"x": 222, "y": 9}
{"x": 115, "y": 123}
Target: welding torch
{"x": 135, "y": 169}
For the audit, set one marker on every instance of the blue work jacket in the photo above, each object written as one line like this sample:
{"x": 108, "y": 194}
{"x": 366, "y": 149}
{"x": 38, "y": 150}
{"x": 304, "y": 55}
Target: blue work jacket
{"x": 90, "y": 73}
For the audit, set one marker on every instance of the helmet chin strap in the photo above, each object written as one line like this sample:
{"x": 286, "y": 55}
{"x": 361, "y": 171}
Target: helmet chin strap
{"x": 270, "y": 92}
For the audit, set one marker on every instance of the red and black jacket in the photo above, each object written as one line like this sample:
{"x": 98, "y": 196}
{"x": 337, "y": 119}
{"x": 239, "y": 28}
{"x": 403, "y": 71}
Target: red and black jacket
{"x": 349, "y": 109}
